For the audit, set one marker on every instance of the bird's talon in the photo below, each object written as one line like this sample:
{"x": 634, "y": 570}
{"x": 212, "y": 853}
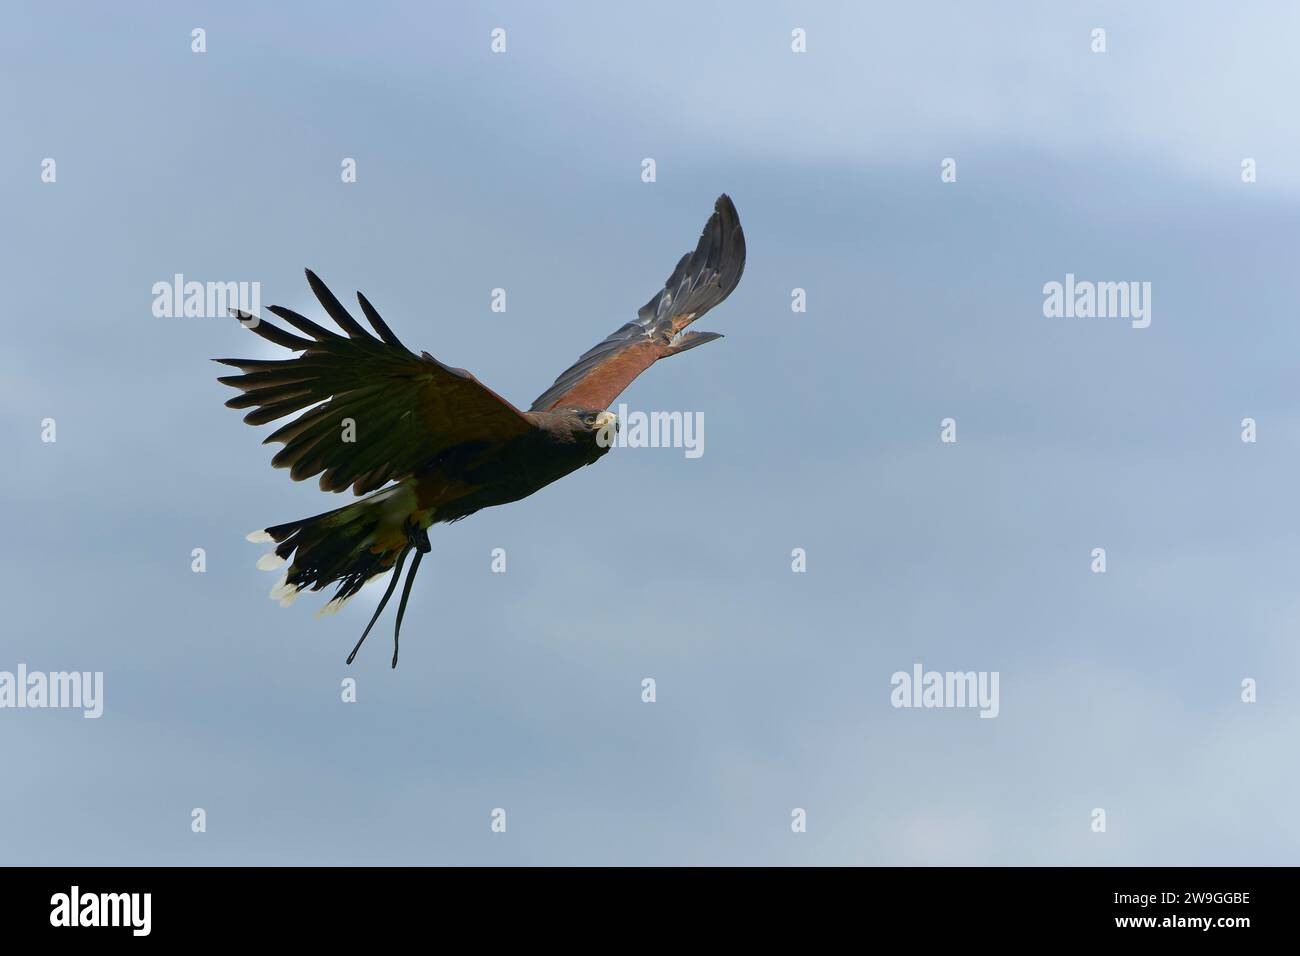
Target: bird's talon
{"x": 418, "y": 538}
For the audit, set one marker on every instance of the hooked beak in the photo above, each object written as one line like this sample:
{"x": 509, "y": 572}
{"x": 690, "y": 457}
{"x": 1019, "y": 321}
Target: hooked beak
{"x": 606, "y": 428}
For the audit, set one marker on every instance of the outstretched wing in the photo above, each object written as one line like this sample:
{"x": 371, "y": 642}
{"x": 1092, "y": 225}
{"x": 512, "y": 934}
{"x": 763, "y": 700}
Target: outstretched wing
{"x": 405, "y": 408}
{"x": 702, "y": 279}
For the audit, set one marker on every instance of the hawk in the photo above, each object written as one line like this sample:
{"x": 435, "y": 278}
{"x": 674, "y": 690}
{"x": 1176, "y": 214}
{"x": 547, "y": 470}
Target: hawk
{"x": 430, "y": 443}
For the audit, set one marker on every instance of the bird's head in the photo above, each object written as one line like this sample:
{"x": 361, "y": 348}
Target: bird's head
{"x": 593, "y": 426}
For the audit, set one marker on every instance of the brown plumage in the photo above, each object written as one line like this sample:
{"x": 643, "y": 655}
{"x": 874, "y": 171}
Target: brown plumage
{"x": 374, "y": 413}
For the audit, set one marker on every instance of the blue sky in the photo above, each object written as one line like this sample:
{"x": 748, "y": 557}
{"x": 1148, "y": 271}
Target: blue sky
{"x": 523, "y": 690}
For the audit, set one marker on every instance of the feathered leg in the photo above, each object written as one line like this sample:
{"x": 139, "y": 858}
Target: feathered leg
{"x": 406, "y": 593}
{"x": 392, "y": 585}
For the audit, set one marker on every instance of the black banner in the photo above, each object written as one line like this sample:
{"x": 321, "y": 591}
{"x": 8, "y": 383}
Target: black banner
{"x": 1148, "y": 905}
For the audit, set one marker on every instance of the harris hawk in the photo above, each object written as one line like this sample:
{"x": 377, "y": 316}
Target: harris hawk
{"x": 424, "y": 443}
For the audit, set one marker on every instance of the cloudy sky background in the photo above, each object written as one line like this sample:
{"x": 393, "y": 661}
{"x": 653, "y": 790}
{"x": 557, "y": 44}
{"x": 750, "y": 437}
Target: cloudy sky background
{"x": 522, "y": 690}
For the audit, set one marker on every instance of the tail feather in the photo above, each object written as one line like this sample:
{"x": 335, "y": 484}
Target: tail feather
{"x": 345, "y": 547}
{"x": 348, "y": 547}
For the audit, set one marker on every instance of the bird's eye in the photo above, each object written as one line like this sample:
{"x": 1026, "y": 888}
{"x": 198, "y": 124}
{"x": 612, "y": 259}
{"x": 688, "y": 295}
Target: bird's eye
{"x": 590, "y": 419}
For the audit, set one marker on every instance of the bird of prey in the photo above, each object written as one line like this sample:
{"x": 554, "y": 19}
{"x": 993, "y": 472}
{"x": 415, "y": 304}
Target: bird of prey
{"x": 425, "y": 443}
